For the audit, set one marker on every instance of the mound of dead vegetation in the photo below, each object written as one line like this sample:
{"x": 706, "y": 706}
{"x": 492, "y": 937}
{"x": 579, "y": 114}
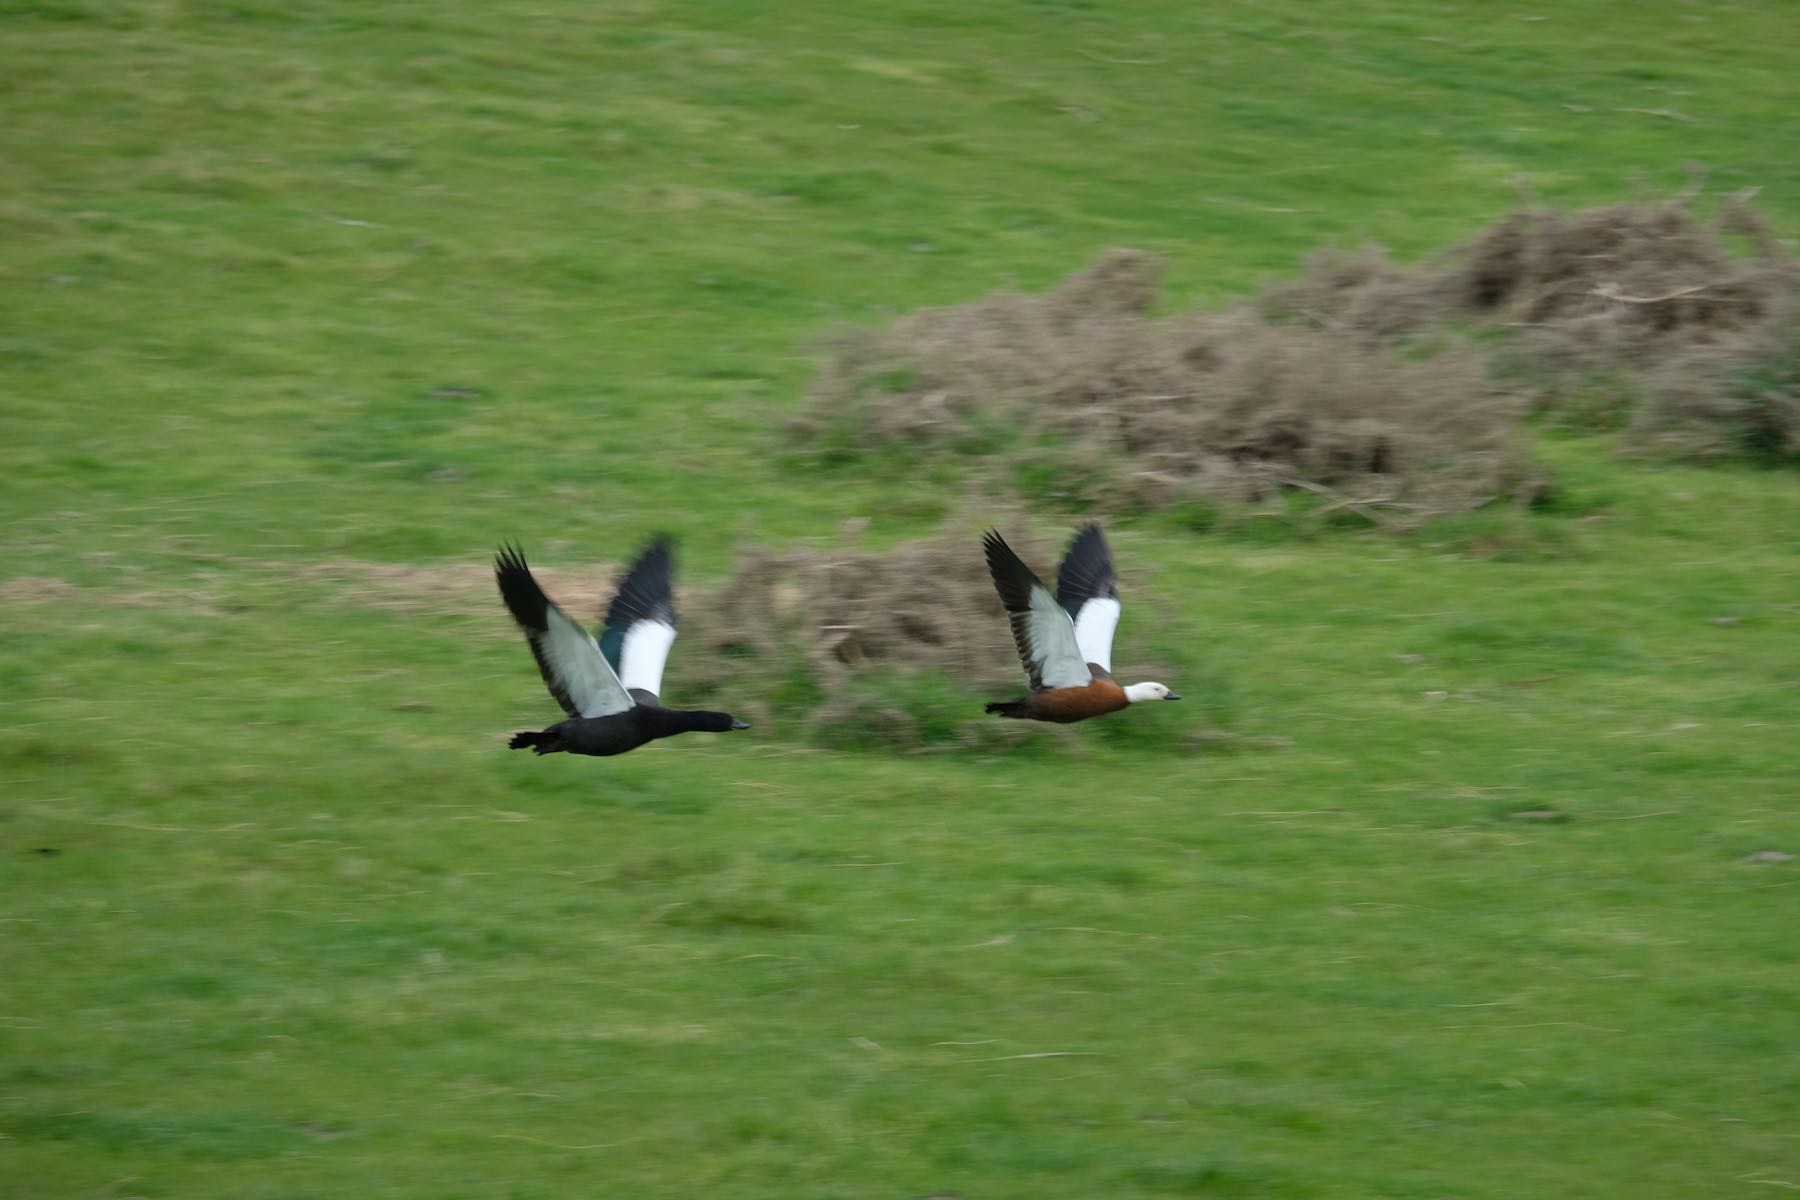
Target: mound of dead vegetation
{"x": 1082, "y": 391}
{"x": 1394, "y": 392}
{"x": 893, "y": 648}
{"x": 1643, "y": 316}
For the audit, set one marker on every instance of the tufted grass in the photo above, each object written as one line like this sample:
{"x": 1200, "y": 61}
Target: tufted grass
{"x": 1458, "y": 883}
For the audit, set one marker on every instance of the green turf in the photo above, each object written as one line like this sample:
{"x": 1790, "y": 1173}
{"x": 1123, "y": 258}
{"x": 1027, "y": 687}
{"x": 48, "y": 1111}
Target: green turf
{"x": 309, "y": 305}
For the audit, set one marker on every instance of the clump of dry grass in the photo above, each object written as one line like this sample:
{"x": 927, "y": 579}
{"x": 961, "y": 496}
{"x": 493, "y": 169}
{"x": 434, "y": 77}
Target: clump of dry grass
{"x": 849, "y": 636}
{"x": 1645, "y": 278}
{"x": 1113, "y": 407}
{"x": 1394, "y": 392}
{"x": 1239, "y": 409}
{"x": 955, "y": 377}
{"x": 1643, "y": 316}
{"x": 1738, "y": 400}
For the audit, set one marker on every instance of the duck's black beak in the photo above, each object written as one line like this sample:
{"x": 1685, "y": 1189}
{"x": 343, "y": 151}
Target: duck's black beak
{"x": 1171, "y": 696}
{"x": 737, "y": 724}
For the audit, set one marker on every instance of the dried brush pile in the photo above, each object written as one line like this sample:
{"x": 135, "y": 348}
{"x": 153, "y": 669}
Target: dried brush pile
{"x": 893, "y": 648}
{"x": 1394, "y": 392}
{"x": 1082, "y": 388}
{"x": 1642, "y": 316}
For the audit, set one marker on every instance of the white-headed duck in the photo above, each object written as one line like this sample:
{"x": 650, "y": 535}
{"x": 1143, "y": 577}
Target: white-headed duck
{"x": 1065, "y": 640}
{"x": 609, "y": 688}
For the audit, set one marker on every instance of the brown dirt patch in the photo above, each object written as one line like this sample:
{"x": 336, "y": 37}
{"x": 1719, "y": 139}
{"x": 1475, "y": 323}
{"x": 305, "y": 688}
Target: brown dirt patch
{"x": 37, "y": 589}
{"x": 457, "y": 588}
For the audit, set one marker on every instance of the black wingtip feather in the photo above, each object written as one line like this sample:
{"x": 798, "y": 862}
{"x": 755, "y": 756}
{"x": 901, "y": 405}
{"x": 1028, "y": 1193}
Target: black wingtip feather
{"x": 1086, "y": 571}
{"x": 1012, "y": 578}
{"x": 530, "y": 607}
{"x": 647, "y": 592}
{"x": 1014, "y": 581}
{"x": 524, "y": 598}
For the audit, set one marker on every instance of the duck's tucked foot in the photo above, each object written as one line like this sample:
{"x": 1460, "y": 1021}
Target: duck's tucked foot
{"x": 1010, "y": 708}
{"x": 543, "y": 742}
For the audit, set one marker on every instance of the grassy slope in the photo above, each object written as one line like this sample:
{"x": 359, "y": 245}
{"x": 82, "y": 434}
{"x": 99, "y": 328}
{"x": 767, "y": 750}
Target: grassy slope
{"x": 300, "y": 290}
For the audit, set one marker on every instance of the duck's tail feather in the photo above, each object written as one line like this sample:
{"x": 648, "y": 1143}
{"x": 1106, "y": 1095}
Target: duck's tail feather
{"x": 542, "y": 741}
{"x": 1009, "y": 708}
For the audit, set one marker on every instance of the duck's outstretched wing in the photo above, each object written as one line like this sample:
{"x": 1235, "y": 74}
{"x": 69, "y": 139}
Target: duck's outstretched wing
{"x": 570, "y": 662}
{"x": 1041, "y": 629}
{"x": 640, "y": 622}
{"x": 1087, "y": 589}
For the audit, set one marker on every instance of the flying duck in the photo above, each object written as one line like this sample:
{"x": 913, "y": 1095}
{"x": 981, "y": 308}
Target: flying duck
{"x": 1065, "y": 640}
{"x": 609, "y": 688}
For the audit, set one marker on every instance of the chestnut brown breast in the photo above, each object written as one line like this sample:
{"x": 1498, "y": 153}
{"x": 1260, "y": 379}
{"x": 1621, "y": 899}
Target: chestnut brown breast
{"x": 1068, "y": 704}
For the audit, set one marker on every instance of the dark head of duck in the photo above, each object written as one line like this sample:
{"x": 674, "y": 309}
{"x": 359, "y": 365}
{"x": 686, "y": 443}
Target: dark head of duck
{"x": 707, "y": 722}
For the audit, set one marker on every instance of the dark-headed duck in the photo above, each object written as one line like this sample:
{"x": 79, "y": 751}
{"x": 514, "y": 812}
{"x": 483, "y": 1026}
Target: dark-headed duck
{"x": 1065, "y": 640}
{"x": 609, "y": 688}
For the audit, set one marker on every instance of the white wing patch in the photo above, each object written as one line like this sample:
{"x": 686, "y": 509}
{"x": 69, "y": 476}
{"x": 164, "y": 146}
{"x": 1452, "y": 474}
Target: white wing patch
{"x": 643, "y": 653}
{"x": 1053, "y": 644}
{"x": 583, "y": 671}
{"x": 1094, "y": 625}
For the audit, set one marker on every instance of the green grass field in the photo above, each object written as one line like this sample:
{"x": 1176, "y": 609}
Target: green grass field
{"x": 308, "y": 306}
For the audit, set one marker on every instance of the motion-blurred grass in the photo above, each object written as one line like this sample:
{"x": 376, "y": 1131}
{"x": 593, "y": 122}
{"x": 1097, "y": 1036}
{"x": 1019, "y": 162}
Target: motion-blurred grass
{"x": 308, "y": 305}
